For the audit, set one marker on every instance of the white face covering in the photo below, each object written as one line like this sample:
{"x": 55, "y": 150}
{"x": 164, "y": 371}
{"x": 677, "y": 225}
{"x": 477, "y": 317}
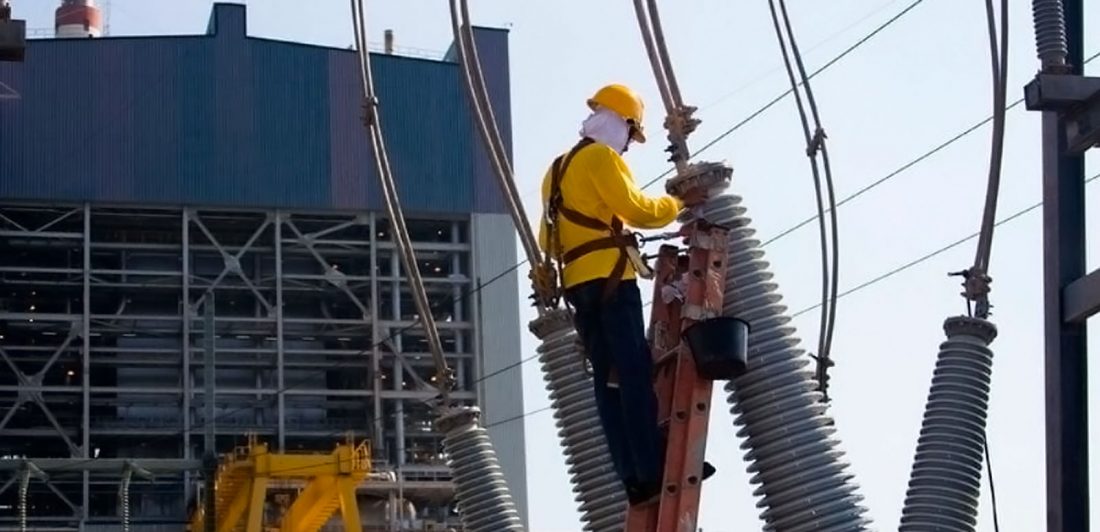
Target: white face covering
{"x": 607, "y": 127}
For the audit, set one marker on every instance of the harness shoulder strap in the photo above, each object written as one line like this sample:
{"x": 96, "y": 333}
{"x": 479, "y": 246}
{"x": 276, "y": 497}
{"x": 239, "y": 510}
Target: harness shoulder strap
{"x": 617, "y": 238}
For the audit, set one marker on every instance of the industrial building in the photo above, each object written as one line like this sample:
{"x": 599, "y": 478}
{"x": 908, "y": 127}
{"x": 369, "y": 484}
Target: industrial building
{"x": 144, "y": 177}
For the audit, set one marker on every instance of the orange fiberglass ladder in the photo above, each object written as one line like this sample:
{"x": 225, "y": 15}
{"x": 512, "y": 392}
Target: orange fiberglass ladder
{"x": 692, "y": 345}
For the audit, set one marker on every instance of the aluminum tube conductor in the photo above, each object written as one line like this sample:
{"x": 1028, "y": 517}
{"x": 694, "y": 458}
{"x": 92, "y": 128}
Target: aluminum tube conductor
{"x": 945, "y": 482}
{"x": 597, "y": 487}
{"x": 804, "y": 480}
{"x": 484, "y": 500}
{"x": 1050, "y": 34}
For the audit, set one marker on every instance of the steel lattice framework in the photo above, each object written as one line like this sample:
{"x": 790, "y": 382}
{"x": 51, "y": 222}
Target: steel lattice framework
{"x": 101, "y": 349}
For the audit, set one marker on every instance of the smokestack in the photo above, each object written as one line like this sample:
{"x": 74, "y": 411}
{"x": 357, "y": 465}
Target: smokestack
{"x": 389, "y": 41}
{"x": 78, "y": 18}
{"x": 13, "y": 39}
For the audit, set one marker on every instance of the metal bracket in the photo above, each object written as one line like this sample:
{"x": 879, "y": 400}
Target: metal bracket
{"x": 1077, "y": 98}
{"x": 1081, "y": 299}
{"x": 976, "y": 288}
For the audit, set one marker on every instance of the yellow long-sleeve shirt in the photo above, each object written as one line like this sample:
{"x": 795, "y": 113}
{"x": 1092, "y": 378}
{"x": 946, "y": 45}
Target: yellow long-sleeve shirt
{"x": 598, "y": 184}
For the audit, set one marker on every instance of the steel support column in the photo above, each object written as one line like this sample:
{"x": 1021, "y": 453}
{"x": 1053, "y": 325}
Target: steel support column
{"x": 210, "y": 457}
{"x": 378, "y": 419}
{"x": 86, "y": 358}
{"x": 1065, "y": 342}
{"x": 185, "y": 345}
{"x": 279, "y": 340}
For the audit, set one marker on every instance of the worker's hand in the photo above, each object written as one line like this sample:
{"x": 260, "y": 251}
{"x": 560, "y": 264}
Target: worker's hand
{"x": 694, "y": 196}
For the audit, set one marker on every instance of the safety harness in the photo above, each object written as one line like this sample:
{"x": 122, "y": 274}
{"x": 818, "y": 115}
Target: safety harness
{"x": 618, "y": 238}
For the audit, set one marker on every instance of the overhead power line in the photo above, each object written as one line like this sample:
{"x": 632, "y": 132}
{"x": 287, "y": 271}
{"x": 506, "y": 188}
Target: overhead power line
{"x": 966, "y": 132}
{"x": 928, "y": 256}
{"x": 788, "y": 92}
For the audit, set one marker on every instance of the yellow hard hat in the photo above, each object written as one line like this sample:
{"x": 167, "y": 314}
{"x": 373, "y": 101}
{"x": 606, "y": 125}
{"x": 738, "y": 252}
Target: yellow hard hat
{"x": 624, "y": 102}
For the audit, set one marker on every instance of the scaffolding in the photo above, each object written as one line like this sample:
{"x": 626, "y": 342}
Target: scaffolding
{"x": 313, "y": 331}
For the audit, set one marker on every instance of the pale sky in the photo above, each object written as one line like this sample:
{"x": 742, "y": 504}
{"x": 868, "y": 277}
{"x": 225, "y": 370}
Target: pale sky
{"x": 919, "y": 83}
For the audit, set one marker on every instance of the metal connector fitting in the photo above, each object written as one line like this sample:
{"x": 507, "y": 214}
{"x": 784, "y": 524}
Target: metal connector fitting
{"x": 711, "y": 176}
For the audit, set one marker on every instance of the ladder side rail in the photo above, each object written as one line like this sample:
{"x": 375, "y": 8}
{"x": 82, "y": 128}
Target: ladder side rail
{"x": 688, "y": 426}
{"x": 683, "y": 394}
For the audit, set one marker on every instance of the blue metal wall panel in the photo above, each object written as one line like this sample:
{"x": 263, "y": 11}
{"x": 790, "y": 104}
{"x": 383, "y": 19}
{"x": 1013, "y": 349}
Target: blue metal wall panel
{"x": 492, "y": 48}
{"x": 230, "y": 120}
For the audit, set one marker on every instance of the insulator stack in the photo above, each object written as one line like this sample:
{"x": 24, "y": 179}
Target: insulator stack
{"x": 1050, "y": 33}
{"x": 483, "y": 498}
{"x": 24, "y": 486}
{"x": 597, "y": 487}
{"x": 803, "y": 477}
{"x": 124, "y": 501}
{"x": 946, "y": 478}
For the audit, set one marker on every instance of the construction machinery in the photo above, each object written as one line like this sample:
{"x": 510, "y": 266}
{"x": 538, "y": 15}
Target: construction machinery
{"x": 243, "y": 480}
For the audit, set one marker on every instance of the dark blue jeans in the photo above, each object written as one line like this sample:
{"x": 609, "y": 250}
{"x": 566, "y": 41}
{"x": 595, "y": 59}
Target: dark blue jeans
{"x": 613, "y": 333}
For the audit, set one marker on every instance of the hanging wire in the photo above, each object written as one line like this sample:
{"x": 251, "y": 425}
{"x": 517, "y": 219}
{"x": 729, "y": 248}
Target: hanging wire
{"x": 545, "y": 294}
{"x": 662, "y": 50}
{"x": 679, "y": 121}
{"x": 444, "y": 375}
{"x": 976, "y": 279}
{"x": 815, "y": 145}
{"x": 992, "y": 488}
{"x": 980, "y": 270}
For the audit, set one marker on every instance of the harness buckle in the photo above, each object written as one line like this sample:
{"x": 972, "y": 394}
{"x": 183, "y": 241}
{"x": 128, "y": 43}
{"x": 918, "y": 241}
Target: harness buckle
{"x": 634, "y": 255}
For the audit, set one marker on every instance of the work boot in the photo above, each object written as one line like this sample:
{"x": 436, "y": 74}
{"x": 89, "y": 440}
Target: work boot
{"x": 638, "y": 493}
{"x": 708, "y": 470}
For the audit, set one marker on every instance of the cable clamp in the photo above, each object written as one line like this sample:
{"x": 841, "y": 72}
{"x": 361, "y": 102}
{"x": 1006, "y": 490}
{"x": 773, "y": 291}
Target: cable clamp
{"x": 681, "y": 121}
{"x": 370, "y": 110}
{"x": 821, "y": 373}
{"x": 976, "y": 288}
{"x": 816, "y": 143}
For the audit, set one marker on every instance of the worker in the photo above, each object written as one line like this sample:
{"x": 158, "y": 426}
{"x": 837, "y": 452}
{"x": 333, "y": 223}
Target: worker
{"x": 588, "y": 196}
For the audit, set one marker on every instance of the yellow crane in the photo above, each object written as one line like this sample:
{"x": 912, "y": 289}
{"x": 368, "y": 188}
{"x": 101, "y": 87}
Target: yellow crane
{"x": 331, "y": 479}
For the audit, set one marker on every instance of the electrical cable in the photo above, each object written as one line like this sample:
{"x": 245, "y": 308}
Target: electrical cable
{"x": 474, "y": 78}
{"x": 765, "y": 74}
{"x": 829, "y": 186}
{"x": 926, "y": 155}
{"x": 393, "y": 204}
{"x": 678, "y": 120}
{"x": 992, "y": 488}
{"x": 784, "y": 94}
{"x": 999, "y": 61}
{"x": 928, "y": 256}
{"x": 815, "y": 144}
{"x": 487, "y": 426}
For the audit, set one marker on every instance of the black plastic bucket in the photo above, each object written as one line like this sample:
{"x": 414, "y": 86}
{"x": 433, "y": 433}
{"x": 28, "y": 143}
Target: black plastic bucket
{"x": 720, "y": 347}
